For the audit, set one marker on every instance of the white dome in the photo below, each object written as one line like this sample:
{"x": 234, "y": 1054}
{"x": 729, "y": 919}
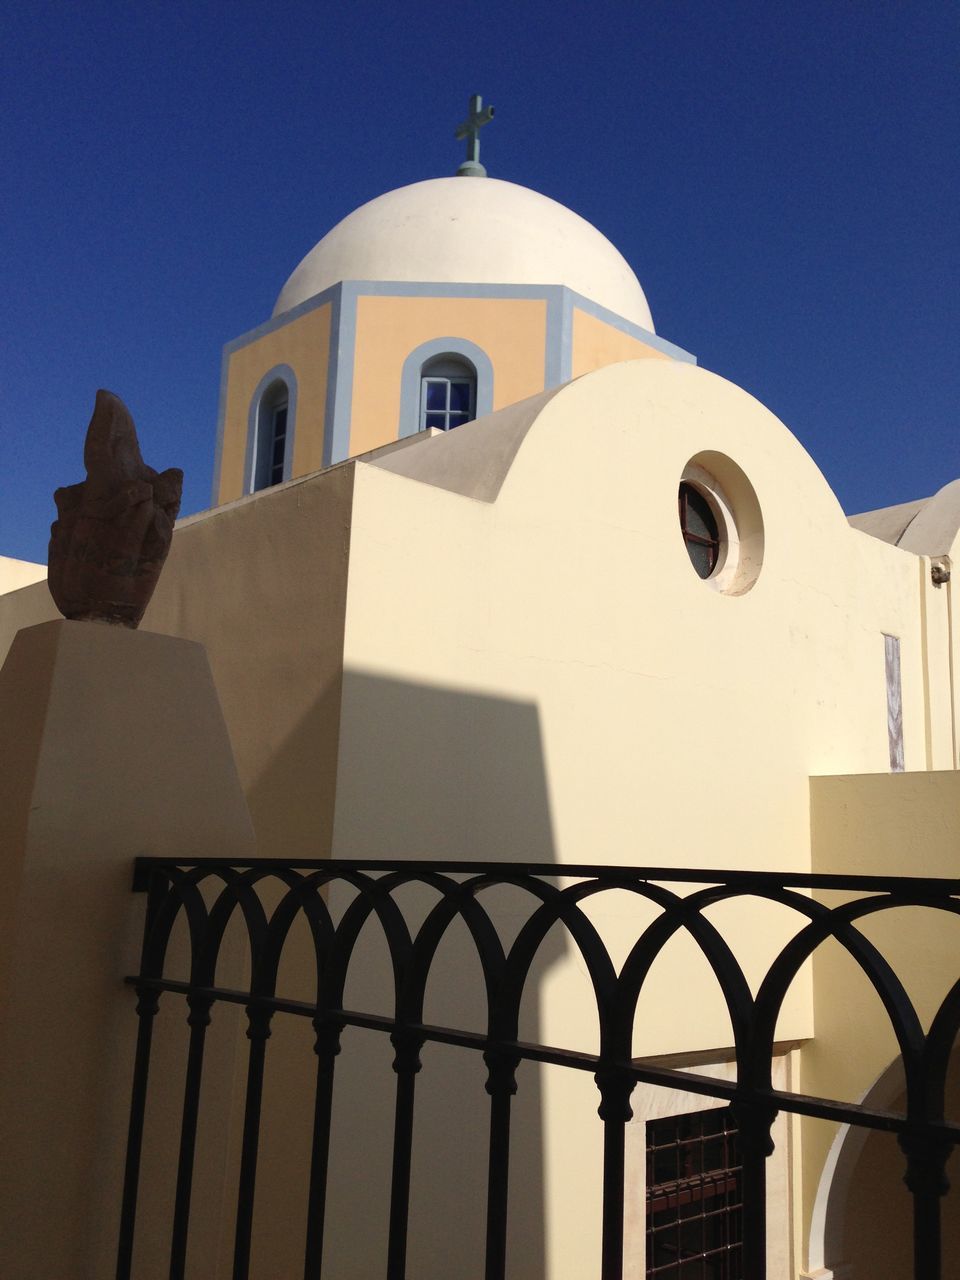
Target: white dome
{"x": 469, "y": 230}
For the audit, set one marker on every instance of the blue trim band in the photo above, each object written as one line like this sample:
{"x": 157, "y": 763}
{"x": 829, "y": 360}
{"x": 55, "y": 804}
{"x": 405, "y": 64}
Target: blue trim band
{"x": 559, "y": 340}
{"x": 410, "y": 378}
{"x": 428, "y": 289}
{"x": 334, "y": 381}
{"x": 343, "y": 346}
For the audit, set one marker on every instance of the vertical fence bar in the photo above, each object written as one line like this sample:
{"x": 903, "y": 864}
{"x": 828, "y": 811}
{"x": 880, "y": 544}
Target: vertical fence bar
{"x": 198, "y": 1021}
{"x": 927, "y": 1181}
{"x": 615, "y": 1087}
{"x": 258, "y": 1033}
{"x": 326, "y": 1047}
{"x": 148, "y": 1003}
{"x": 406, "y": 1064}
{"x": 754, "y": 1120}
{"x": 501, "y": 1086}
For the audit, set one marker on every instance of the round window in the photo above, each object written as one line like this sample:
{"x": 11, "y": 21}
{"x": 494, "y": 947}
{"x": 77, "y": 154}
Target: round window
{"x": 720, "y": 522}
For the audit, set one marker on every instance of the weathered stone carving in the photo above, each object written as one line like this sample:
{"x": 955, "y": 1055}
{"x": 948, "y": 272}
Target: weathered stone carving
{"x": 113, "y": 531}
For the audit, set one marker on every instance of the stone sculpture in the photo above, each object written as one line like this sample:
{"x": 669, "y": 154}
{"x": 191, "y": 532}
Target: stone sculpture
{"x": 113, "y": 530}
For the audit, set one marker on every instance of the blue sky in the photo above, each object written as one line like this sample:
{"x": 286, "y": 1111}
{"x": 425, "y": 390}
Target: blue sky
{"x": 784, "y": 179}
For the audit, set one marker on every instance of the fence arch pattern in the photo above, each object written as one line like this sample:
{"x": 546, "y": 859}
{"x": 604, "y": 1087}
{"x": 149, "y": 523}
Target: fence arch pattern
{"x": 269, "y": 896}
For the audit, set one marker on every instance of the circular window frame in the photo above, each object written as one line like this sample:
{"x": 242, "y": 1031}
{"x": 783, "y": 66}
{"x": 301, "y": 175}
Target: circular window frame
{"x": 735, "y": 508}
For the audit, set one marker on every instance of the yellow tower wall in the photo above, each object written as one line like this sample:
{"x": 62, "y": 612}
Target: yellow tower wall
{"x": 304, "y": 345}
{"x": 596, "y": 343}
{"x": 512, "y": 332}
{"x": 352, "y": 352}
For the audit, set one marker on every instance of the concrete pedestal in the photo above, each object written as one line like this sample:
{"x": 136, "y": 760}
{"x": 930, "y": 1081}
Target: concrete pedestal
{"x": 112, "y": 744}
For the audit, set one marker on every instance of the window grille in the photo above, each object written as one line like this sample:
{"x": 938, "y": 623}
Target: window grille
{"x": 694, "y": 1197}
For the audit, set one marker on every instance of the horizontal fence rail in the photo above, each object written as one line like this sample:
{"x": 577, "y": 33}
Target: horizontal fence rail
{"x": 269, "y": 896}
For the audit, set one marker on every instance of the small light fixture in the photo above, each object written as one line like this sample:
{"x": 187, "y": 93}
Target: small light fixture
{"x": 940, "y": 572}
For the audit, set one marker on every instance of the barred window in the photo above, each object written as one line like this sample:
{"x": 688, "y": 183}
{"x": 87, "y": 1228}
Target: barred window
{"x": 694, "y": 1197}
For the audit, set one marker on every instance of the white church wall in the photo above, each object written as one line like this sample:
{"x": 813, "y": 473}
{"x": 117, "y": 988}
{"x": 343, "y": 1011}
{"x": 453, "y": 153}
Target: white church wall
{"x": 678, "y": 725}
{"x": 670, "y": 724}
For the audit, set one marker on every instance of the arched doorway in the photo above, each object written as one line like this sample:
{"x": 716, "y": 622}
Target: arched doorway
{"x": 862, "y": 1222}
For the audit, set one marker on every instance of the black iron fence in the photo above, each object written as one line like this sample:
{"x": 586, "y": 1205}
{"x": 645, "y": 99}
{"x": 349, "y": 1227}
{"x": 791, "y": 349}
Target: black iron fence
{"x": 270, "y": 896}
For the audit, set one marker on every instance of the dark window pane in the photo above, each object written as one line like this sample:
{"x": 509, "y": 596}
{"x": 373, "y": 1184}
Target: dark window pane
{"x": 278, "y": 444}
{"x": 701, "y": 557}
{"x": 700, "y": 529}
{"x": 436, "y": 420}
{"x": 699, "y": 518}
{"x": 460, "y": 397}
{"x": 436, "y": 395}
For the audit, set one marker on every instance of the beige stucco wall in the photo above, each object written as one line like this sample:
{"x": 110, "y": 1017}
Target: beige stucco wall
{"x": 261, "y": 583}
{"x": 303, "y": 344}
{"x": 512, "y": 332}
{"x": 545, "y": 676}
{"x": 15, "y": 574}
{"x": 114, "y": 745}
{"x": 23, "y": 608}
{"x": 655, "y": 696}
{"x": 408, "y": 670}
{"x": 939, "y": 640}
{"x": 596, "y": 344}
{"x": 898, "y": 824}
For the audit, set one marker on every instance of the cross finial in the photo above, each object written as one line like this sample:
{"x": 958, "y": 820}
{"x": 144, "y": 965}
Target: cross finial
{"x": 477, "y": 116}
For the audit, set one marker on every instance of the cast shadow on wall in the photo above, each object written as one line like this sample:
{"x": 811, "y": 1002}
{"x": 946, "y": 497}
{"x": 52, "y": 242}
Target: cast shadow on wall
{"x": 422, "y": 773}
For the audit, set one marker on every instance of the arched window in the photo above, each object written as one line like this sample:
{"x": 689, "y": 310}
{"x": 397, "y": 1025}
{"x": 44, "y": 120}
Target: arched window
{"x": 270, "y": 449}
{"x": 444, "y": 382}
{"x": 448, "y": 392}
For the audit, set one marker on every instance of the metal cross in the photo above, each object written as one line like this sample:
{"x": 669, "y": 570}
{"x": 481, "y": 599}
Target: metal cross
{"x": 477, "y": 116}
